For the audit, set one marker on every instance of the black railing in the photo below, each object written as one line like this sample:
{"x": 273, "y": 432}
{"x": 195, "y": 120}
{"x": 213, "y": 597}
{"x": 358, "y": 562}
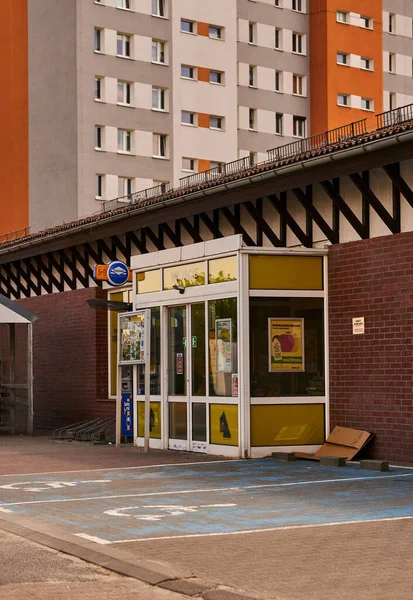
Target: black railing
{"x": 395, "y": 116}
{"x": 221, "y": 170}
{"x": 152, "y": 192}
{"x": 321, "y": 140}
{"x": 14, "y": 235}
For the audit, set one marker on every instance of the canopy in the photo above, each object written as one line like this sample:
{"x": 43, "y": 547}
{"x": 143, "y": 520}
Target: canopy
{"x": 11, "y": 312}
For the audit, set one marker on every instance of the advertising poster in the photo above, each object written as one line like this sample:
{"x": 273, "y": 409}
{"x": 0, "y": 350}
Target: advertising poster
{"x": 223, "y": 339}
{"x": 286, "y": 345}
{"x": 132, "y": 338}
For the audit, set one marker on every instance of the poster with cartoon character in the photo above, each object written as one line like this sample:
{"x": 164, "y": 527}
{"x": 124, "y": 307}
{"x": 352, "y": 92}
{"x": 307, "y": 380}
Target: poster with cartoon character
{"x": 286, "y": 345}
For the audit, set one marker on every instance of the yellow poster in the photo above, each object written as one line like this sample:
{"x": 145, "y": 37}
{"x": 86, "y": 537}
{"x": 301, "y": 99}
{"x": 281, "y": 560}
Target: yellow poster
{"x": 223, "y": 423}
{"x": 286, "y": 345}
{"x": 154, "y": 420}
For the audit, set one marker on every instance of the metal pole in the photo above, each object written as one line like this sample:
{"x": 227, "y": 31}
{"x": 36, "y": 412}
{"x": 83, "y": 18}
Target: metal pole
{"x": 12, "y": 378}
{"x": 147, "y": 334}
{"x": 30, "y": 379}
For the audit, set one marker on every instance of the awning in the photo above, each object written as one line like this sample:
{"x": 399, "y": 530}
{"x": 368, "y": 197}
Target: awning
{"x": 11, "y": 312}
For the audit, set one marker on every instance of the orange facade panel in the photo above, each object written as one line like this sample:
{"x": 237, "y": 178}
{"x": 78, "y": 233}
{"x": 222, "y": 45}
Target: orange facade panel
{"x": 203, "y": 74}
{"x": 329, "y": 78}
{"x": 203, "y": 165}
{"x": 14, "y": 171}
{"x": 202, "y": 28}
{"x": 203, "y": 120}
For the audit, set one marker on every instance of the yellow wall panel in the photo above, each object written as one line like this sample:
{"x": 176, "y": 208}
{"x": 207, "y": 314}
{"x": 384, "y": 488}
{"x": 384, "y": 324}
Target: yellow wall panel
{"x": 286, "y": 272}
{"x": 223, "y": 424}
{"x": 287, "y": 424}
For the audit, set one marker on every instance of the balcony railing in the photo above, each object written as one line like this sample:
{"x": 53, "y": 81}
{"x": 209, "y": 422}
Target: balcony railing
{"x": 152, "y": 192}
{"x": 395, "y": 116}
{"x": 321, "y": 140}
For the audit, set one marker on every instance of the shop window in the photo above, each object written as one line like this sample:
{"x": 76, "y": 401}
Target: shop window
{"x": 155, "y": 366}
{"x": 184, "y": 275}
{"x": 198, "y": 350}
{"x": 287, "y": 347}
{"x": 286, "y": 272}
{"x": 287, "y": 424}
{"x": 178, "y": 426}
{"x": 113, "y": 340}
{"x": 222, "y": 345}
{"x": 148, "y": 281}
{"x": 222, "y": 269}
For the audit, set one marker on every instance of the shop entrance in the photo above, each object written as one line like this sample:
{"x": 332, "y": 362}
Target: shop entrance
{"x": 187, "y": 406}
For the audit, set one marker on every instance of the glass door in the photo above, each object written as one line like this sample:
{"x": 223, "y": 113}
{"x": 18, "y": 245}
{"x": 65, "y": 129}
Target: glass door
{"x": 187, "y": 377}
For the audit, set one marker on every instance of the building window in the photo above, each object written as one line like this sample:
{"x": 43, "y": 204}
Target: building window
{"x": 299, "y": 126}
{"x": 392, "y": 100}
{"x": 342, "y": 17}
{"x": 298, "y": 43}
{"x": 98, "y": 137}
{"x": 98, "y": 88}
{"x": 392, "y": 62}
{"x": 124, "y": 140}
{"x": 252, "y": 118}
{"x": 252, "y": 32}
{"x": 125, "y": 187}
{"x": 123, "y": 45}
{"x": 278, "y": 3}
{"x": 278, "y": 39}
{"x": 251, "y": 75}
{"x": 216, "y": 77}
{"x": 99, "y": 186}
{"x": 98, "y": 40}
{"x": 252, "y": 159}
{"x": 188, "y": 164}
{"x": 366, "y": 104}
{"x": 298, "y": 85}
{"x": 298, "y": 5}
{"x": 124, "y": 4}
{"x": 278, "y": 81}
{"x": 159, "y": 145}
{"x": 124, "y": 92}
{"x": 187, "y": 118}
{"x": 279, "y": 118}
{"x": 366, "y": 63}
{"x": 159, "y": 8}
{"x": 342, "y": 58}
{"x": 215, "y": 32}
{"x": 366, "y": 22}
{"x": 216, "y": 122}
{"x": 343, "y": 100}
{"x": 187, "y": 26}
{"x": 187, "y": 72}
{"x": 392, "y": 21}
{"x": 158, "y": 51}
{"x": 158, "y": 98}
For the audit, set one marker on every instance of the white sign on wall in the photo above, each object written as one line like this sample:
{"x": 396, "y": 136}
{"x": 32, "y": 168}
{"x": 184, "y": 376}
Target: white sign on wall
{"x": 358, "y": 325}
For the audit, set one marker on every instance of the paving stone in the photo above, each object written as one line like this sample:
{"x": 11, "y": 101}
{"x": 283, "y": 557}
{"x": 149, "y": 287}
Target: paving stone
{"x": 332, "y": 461}
{"x": 188, "y": 587}
{"x": 222, "y": 594}
{"x": 288, "y": 456}
{"x": 375, "y": 465}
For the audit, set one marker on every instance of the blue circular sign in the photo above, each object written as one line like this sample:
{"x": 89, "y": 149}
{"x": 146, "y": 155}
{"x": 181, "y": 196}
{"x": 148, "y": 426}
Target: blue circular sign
{"x": 118, "y": 273}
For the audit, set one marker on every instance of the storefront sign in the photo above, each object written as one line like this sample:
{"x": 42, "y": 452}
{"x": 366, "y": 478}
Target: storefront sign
{"x": 179, "y": 363}
{"x": 358, "y": 325}
{"x": 115, "y": 273}
{"x": 132, "y": 338}
{"x": 223, "y": 339}
{"x": 286, "y": 344}
{"x": 235, "y": 384}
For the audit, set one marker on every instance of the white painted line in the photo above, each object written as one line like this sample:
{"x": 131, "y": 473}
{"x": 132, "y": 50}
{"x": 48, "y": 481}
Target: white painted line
{"x": 92, "y": 538}
{"x": 207, "y": 490}
{"x": 207, "y": 462}
{"x": 282, "y": 528}
{"x": 5, "y": 510}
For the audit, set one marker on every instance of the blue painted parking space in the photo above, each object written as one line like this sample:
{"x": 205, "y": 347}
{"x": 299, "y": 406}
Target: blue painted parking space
{"x": 220, "y": 498}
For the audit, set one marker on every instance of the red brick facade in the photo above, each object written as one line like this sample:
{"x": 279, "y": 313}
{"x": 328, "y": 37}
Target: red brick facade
{"x": 70, "y": 358}
{"x": 371, "y": 375}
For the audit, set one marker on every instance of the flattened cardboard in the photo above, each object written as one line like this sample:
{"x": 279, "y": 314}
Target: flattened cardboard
{"x": 343, "y": 442}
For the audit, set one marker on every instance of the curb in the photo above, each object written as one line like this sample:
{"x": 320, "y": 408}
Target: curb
{"x": 123, "y": 563}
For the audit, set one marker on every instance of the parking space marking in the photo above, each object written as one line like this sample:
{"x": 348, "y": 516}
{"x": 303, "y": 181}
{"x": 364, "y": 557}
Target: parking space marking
{"x": 161, "y": 466}
{"x": 164, "y": 511}
{"x": 207, "y": 490}
{"x": 92, "y": 538}
{"x": 248, "y": 531}
{"x": 51, "y": 485}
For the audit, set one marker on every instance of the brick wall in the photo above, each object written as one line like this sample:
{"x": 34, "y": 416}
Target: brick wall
{"x": 371, "y": 375}
{"x": 70, "y": 358}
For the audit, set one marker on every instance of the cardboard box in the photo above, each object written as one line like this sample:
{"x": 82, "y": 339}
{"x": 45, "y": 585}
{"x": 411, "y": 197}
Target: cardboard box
{"x": 342, "y": 442}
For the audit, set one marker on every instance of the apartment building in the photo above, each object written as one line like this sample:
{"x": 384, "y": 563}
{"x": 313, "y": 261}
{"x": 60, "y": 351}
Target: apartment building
{"x": 104, "y": 98}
